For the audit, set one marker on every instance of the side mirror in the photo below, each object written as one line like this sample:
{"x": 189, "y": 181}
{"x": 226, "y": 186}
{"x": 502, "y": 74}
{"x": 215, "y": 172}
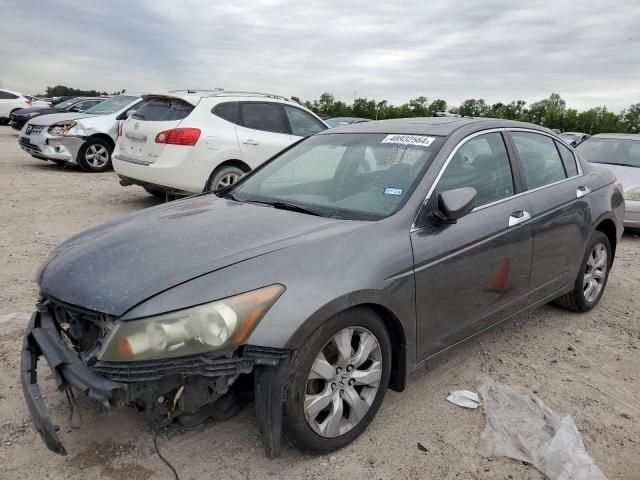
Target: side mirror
{"x": 131, "y": 113}
{"x": 455, "y": 204}
{"x": 74, "y": 109}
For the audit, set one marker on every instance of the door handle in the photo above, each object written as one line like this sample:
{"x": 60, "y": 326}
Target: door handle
{"x": 582, "y": 191}
{"x": 250, "y": 141}
{"x": 519, "y": 217}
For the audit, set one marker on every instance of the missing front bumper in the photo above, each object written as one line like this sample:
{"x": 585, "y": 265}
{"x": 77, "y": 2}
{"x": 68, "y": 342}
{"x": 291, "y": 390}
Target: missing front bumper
{"x": 113, "y": 383}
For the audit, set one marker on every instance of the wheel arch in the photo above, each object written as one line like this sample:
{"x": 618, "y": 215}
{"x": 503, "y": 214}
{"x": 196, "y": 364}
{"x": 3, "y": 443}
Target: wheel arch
{"x": 102, "y": 136}
{"x": 400, "y": 355}
{"x": 607, "y": 226}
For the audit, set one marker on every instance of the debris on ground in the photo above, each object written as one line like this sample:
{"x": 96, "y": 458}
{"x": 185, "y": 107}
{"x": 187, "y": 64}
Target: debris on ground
{"x": 464, "y": 398}
{"x": 522, "y": 427}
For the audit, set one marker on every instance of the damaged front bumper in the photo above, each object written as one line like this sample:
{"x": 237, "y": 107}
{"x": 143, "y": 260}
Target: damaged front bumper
{"x": 194, "y": 387}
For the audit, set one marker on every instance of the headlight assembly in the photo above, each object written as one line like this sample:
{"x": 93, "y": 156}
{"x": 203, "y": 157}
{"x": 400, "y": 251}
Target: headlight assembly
{"x": 61, "y": 128}
{"x": 203, "y": 328}
{"x": 633, "y": 194}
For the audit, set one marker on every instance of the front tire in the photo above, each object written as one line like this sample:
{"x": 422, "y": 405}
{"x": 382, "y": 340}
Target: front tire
{"x": 592, "y": 277}
{"x": 337, "y": 382}
{"x": 95, "y": 155}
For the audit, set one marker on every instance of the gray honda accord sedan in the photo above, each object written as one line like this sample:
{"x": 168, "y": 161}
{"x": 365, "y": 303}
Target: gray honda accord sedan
{"x": 323, "y": 277}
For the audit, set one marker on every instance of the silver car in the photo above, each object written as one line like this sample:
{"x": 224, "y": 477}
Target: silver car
{"x": 86, "y": 139}
{"x": 620, "y": 153}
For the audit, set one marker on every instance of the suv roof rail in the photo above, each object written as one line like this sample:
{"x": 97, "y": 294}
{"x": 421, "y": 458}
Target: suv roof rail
{"x": 195, "y": 90}
{"x": 222, "y": 92}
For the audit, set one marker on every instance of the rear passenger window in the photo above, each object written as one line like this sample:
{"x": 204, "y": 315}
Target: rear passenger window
{"x": 302, "y": 124}
{"x": 263, "y": 116}
{"x": 7, "y": 96}
{"x": 227, "y": 111}
{"x": 568, "y": 159}
{"x": 481, "y": 163}
{"x": 163, "y": 110}
{"x": 540, "y": 159}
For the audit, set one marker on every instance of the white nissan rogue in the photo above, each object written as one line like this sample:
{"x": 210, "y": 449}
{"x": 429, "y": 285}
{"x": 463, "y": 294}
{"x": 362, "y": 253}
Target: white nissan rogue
{"x": 189, "y": 141}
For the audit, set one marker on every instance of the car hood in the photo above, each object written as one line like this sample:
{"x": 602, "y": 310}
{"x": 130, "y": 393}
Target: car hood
{"x": 40, "y": 110}
{"x": 629, "y": 176}
{"x": 115, "y": 266}
{"x": 52, "y": 118}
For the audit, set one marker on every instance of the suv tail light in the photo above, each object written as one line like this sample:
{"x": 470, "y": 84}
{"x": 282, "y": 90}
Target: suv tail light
{"x": 28, "y": 101}
{"x": 179, "y": 136}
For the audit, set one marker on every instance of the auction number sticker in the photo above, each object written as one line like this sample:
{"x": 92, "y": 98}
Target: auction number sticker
{"x": 419, "y": 140}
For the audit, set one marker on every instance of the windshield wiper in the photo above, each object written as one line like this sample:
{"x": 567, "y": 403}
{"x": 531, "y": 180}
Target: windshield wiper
{"x": 287, "y": 206}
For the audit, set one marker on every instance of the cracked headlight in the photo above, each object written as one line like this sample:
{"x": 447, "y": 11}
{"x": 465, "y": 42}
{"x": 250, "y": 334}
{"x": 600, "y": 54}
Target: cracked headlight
{"x": 633, "y": 194}
{"x": 203, "y": 328}
{"x": 61, "y": 128}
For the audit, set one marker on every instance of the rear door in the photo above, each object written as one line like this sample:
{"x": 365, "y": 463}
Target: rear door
{"x": 7, "y": 103}
{"x": 155, "y": 115}
{"x": 560, "y": 212}
{"x": 262, "y": 131}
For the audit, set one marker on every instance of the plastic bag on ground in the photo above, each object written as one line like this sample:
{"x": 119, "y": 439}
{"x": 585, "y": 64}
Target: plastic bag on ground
{"x": 521, "y": 426}
{"x": 464, "y": 398}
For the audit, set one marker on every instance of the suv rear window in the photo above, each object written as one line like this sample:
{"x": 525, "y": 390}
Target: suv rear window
{"x": 7, "y": 95}
{"x": 163, "y": 109}
{"x": 227, "y": 111}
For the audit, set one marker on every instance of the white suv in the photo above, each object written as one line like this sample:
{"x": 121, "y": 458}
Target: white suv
{"x": 186, "y": 141}
{"x": 10, "y": 101}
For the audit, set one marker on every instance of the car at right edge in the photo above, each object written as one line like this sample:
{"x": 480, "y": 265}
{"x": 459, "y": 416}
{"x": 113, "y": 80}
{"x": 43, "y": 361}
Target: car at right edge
{"x": 323, "y": 277}
{"x": 620, "y": 153}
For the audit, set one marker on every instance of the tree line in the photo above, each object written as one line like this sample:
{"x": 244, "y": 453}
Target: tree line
{"x": 551, "y": 112}
{"x": 64, "y": 91}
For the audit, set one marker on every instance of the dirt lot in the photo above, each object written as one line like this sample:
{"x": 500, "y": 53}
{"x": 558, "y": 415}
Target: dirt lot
{"x": 42, "y": 204}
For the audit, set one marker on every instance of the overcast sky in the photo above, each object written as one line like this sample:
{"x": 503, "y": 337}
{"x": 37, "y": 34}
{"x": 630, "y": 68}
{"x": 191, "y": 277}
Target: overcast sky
{"x": 587, "y": 51}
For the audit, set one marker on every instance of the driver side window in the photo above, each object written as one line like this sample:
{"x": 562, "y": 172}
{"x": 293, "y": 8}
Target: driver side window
{"x": 481, "y": 163}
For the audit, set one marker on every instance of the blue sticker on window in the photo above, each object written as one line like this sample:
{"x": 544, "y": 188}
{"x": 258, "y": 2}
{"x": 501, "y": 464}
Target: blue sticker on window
{"x": 392, "y": 191}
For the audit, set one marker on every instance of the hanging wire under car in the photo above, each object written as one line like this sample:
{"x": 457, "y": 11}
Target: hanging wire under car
{"x": 166, "y": 462}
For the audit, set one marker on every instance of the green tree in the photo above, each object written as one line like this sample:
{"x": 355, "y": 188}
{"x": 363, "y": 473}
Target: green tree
{"x": 631, "y": 118}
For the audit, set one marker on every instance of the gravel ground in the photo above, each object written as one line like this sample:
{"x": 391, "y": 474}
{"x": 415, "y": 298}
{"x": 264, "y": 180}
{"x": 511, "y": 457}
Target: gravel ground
{"x": 43, "y": 204}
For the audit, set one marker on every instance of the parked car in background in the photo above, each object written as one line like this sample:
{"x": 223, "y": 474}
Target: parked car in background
{"x": 86, "y": 139}
{"x": 574, "y": 138}
{"x": 340, "y": 121}
{"x": 63, "y": 98}
{"x": 329, "y": 273}
{"x": 620, "y": 153}
{"x": 186, "y": 142}
{"x": 38, "y": 102}
{"x": 11, "y": 101}
{"x": 18, "y": 118}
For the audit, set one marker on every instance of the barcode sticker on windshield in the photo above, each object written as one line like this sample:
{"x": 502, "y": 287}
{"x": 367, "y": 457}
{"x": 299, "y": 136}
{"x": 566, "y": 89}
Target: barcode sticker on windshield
{"x": 419, "y": 140}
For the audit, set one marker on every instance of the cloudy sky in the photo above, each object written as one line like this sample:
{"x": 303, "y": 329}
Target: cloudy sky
{"x": 587, "y": 51}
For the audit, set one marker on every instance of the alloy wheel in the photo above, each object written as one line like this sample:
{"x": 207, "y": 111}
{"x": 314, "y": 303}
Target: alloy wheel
{"x": 97, "y": 155}
{"x": 343, "y": 382}
{"x": 595, "y": 273}
{"x": 226, "y": 180}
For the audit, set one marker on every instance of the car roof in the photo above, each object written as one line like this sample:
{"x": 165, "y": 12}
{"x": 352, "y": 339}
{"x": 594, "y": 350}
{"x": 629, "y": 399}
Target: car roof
{"x": 438, "y": 126}
{"x": 619, "y": 136}
{"x": 193, "y": 96}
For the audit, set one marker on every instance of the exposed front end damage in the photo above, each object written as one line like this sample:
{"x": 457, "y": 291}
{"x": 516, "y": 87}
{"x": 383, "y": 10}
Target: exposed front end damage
{"x": 185, "y": 390}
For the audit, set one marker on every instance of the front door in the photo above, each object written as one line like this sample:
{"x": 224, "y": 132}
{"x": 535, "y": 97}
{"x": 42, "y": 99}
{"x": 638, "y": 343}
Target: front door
{"x": 475, "y": 272}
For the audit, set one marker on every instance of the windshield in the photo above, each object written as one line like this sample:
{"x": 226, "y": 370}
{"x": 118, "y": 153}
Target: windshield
{"x": 111, "y": 106}
{"x": 614, "y": 151}
{"x": 68, "y": 103}
{"x": 357, "y": 176}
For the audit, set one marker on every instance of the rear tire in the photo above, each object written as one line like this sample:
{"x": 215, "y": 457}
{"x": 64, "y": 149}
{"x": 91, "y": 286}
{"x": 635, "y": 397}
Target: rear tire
{"x": 95, "y": 155}
{"x": 331, "y": 395}
{"x": 222, "y": 177}
{"x": 592, "y": 276}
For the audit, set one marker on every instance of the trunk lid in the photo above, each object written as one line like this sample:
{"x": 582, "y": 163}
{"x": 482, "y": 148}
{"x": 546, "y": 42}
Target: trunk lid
{"x": 157, "y": 114}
